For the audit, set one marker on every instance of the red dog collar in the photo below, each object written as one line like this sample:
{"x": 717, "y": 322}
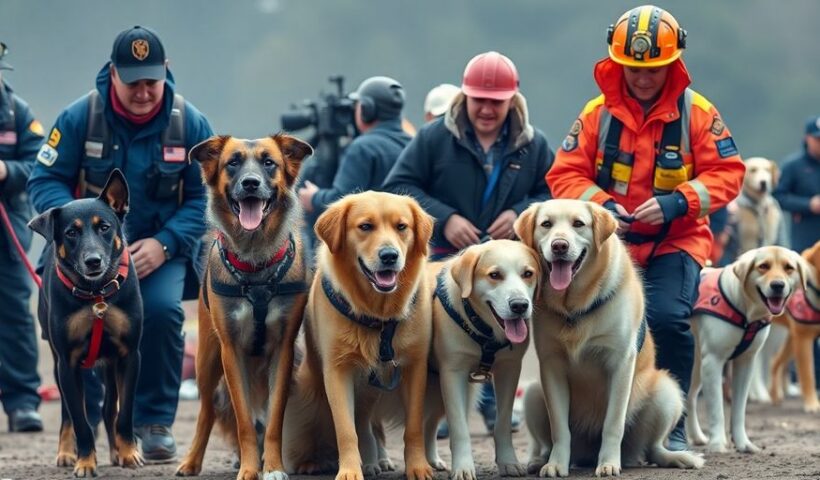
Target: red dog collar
{"x": 247, "y": 267}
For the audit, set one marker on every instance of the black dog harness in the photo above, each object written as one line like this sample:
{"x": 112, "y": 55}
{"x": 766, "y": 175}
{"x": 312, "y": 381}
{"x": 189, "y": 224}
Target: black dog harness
{"x": 259, "y": 294}
{"x": 99, "y": 307}
{"x": 476, "y": 328}
{"x": 388, "y": 330}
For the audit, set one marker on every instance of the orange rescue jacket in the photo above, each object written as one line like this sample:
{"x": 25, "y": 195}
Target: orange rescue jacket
{"x": 713, "y": 166}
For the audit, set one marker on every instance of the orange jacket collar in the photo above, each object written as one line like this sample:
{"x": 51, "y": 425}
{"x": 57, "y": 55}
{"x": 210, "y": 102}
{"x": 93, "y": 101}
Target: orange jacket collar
{"x": 610, "y": 78}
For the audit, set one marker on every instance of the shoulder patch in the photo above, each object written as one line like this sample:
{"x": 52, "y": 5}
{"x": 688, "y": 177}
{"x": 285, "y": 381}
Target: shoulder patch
{"x": 36, "y": 128}
{"x": 717, "y": 126}
{"x": 570, "y": 143}
{"x": 592, "y": 104}
{"x": 726, "y": 147}
{"x": 54, "y": 137}
{"x": 576, "y": 127}
{"x": 47, "y": 155}
{"x": 701, "y": 102}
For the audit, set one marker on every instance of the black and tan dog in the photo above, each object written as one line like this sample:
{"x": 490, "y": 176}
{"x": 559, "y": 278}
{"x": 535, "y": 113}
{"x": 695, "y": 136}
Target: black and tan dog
{"x": 253, "y": 296}
{"x": 90, "y": 311}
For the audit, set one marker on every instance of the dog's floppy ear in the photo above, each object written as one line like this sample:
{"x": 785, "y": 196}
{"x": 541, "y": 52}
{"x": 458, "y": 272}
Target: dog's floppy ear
{"x": 803, "y": 269}
{"x": 775, "y": 173}
{"x": 422, "y": 229}
{"x": 603, "y": 224}
{"x": 524, "y": 225}
{"x": 44, "y": 223}
{"x": 462, "y": 270}
{"x": 743, "y": 266}
{"x": 538, "y": 273}
{"x": 207, "y": 152}
{"x": 295, "y": 151}
{"x": 331, "y": 226}
{"x": 115, "y": 193}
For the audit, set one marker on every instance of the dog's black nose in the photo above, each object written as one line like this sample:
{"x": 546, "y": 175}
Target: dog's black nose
{"x": 388, "y": 255}
{"x": 519, "y": 305}
{"x": 778, "y": 286}
{"x": 93, "y": 261}
{"x": 251, "y": 183}
{"x": 560, "y": 247}
{"x": 763, "y": 186}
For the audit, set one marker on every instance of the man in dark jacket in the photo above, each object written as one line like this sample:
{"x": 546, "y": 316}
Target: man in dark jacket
{"x": 20, "y": 138}
{"x": 134, "y": 121}
{"x": 481, "y": 165}
{"x": 370, "y": 156}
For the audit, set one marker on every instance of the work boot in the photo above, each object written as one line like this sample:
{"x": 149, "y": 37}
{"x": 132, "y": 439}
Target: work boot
{"x": 677, "y": 437}
{"x": 25, "y": 420}
{"x": 158, "y": 444}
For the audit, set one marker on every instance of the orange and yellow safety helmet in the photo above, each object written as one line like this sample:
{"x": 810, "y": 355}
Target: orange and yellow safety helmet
{"x": 646, "y": 36}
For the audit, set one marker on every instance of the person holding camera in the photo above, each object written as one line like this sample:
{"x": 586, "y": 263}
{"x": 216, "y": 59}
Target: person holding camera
{"x": 20, "y": 138}
{"x": 370, "y": 156}
{"x": 133, "y": 120}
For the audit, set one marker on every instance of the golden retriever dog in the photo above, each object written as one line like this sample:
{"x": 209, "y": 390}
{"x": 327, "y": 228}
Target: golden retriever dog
{"x": 368, "y": 328}
{"x": 730, "y": 322}
{"x": 252, "y": 299}
{"x": 601, "y": 395}
{"x": 759, "y": 218}
{"x": 483, "y": 304}
{"x": 802, "y": 316}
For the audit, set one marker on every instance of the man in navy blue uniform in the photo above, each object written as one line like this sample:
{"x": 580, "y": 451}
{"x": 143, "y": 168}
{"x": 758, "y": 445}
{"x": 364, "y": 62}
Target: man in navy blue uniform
{"x": 134, "y": 121}
{"x": 20, "y": 138}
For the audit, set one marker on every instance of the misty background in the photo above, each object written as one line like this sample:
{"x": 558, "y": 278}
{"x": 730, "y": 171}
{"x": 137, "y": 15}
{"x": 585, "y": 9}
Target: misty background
{"x": 244, "y": 62}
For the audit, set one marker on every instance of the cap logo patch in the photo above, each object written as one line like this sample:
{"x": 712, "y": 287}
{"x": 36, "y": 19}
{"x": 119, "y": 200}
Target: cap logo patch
{"x": 139, "y": 48}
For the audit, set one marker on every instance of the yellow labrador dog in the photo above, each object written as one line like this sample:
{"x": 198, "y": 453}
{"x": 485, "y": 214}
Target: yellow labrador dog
{"x": 482, "y": 307}
{"x": 730, "y": 322}
{"x": 597, "y": 358}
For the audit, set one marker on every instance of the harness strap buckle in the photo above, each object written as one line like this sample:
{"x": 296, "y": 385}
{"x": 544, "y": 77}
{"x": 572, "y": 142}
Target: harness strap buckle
{"x": 481, "y": 376}
{"x": 99, "y": 308}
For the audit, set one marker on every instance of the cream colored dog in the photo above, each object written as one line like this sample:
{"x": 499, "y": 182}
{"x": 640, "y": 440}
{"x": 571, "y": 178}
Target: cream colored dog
{"x": 482, "y": 307}
{"x": 730, "y": 322}
{"x": 597, "y": 358}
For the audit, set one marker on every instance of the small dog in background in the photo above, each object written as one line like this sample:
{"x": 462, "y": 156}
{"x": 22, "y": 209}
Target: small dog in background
{"x": 90, "y": 311}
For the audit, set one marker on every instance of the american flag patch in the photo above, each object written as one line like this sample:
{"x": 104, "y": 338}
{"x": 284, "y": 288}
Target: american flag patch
{"x": 8, "y": 137}
{"x": 173, "y": 154}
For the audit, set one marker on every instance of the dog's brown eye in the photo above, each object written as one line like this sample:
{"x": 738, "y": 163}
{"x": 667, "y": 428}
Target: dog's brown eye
{"x": 527, "y": 274}
{"x": 763, "y": 267}
{"x": 71, "y": 233}
{"x": 269, "y": 163}
{"x": 578, "y": 224}
{"x": 495, "y": 275}
{"x": 788, "y": 268}
{"x": 104, "y": 227}
{"x": 546, "y": 224}
{"x": 365, "y": 227}
{"x": 233, "y": 163}
{"x": 401, "y": 227}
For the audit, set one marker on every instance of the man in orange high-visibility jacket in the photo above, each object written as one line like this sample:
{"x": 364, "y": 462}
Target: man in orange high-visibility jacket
{"x": 658, "y": 155}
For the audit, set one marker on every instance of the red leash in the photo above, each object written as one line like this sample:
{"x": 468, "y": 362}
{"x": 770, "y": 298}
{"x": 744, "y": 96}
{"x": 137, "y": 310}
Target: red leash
{"x": 20, "y": 250}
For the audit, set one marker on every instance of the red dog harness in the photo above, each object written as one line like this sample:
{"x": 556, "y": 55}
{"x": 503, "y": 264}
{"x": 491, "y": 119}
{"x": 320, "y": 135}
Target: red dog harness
{"x": 801, "y": 309}
{"x": 713, "y": 301}
{"x": 99, "y": 307}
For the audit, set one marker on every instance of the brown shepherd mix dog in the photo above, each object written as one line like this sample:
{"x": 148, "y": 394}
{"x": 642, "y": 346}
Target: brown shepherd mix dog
{"x": 367, "y": 328}
{"x": 253, "y": 297}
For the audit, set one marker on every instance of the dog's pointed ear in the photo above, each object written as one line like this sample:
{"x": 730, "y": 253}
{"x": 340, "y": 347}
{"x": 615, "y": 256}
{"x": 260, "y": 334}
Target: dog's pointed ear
{"x": 524, "y": 225}
{"x": 463, "y": 270}
{"x": 331, "y": 226}
{"x": 743, "y": 266}
{"x": 422, "y": 229}
{"x": 115, "y": 193}
{"x": 295, "y": 151}
{"x": 603, "y": 224}
{"x": 207, "y": 152}
{"x": 44, "y": 223}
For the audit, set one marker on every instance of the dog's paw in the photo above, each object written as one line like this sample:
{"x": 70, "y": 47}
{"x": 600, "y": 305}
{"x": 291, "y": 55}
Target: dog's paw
{"x": 716, "y": 447}
{"x": 127, "y": 455}
{"x": 387, "y": 465}
{"x": 189, "y": 468}
{"x": 553, "y": 470}
{"x": 421, "y": 471}
{"x": 350, "y": 474}
{"x": 747, "y": 447}
{"x": 463, "y": 474}
{"x": 608, "y": 470}
{"x": 512, "y": 470}
{"x": 66, "y": 459}
{"x": 86, "y": 466}
{"x": 247, "y": 474}
{"x": 698, "y": 438}
{"x": 437, "y": 464}
{"x": 275, "y": 475}
{"x": 535, "y": 464}
{"x": 371, "y": 470}
{"x": 811, "y": 408}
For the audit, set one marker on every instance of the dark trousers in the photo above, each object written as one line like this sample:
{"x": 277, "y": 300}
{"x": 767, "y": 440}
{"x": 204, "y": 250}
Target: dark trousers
{"x": 671, "y": 283}
{"x": 18, "y": 340}
{"x": 161, "y": 349}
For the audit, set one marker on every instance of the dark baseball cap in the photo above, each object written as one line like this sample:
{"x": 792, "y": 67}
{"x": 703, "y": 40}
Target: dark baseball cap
{"x": 813, "y": 126}
{"x": 138, "y": 54}
{"x": 4, "y": 65}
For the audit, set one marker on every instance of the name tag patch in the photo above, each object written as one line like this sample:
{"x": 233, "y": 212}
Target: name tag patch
{"x": 726, "y": 147}
{"x": 47, "y": 155}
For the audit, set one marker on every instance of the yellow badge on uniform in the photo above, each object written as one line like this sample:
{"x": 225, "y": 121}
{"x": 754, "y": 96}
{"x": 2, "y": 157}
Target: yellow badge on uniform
{"x": 717, "y": 126}
{"x": 36, "y": 128}
{"x": 54, "y": 137}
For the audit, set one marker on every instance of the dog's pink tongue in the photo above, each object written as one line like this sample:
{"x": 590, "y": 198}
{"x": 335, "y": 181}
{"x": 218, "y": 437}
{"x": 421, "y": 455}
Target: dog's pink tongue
{"x": 515, "y": 330}
{"x": 250, "y": 213}
{"x": 561, "y": 274}
{"x": 385, "y": 278}
{"x": 775, "y": 305}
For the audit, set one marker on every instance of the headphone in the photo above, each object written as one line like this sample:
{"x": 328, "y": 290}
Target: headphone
{"x": 368, "y": 109}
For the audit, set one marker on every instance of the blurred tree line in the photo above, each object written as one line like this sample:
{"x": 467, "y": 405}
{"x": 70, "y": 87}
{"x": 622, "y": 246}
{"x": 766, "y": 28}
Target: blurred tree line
{"x": 243, "y": 62}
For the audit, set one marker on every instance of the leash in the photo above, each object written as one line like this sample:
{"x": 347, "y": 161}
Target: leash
{"x": 20, "y": 250}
